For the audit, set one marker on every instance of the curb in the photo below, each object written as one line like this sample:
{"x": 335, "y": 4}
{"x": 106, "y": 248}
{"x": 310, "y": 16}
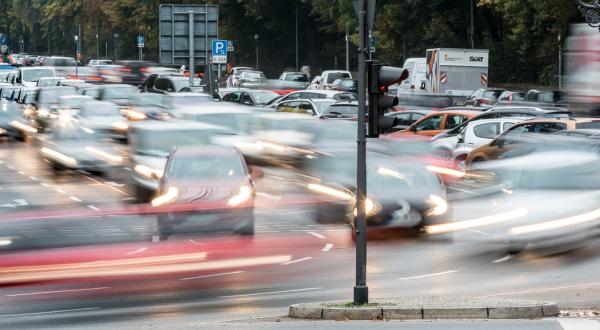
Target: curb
{"x": 425, "y": 309}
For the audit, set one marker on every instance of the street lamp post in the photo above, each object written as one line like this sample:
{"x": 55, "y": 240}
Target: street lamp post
{"x": 559, "y": 63}
{"x": 296, "y": 35}
{"x": 256, "y": 37}
{"x": 116, "y": 36}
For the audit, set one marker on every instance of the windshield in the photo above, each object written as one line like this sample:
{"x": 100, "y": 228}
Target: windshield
{"x": 346, "y": 110}
{"x": 182, "y": 83}
{"x": 73, "y": 102}
{"x": 491, "y": 94}
{"x": 349, "y": 83}
{"x": 264, "y": 97}
{"x": 252, "y": 75}
{"x": 124, "y": 92}
{"x": 337, "y": 75}
{"x": 102, "y": 111}
{"x": 160, "y": 142}
{"x": 296, "y": 77}
{"x": 206, "y": 166}
{"x": 52, "y": 96}
{"x": 34, "y": 75}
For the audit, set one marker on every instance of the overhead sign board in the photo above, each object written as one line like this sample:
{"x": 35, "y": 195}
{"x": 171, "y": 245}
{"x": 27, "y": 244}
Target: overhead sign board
{"x": 174, "y": 33}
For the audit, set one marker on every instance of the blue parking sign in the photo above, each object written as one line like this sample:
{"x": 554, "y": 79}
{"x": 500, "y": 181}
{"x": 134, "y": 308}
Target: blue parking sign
{"x": 3, "y": 39}
{"x": 219, "y": 47}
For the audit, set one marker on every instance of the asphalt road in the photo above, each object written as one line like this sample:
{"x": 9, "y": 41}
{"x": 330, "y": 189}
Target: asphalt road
{"x": 291, "y": 259}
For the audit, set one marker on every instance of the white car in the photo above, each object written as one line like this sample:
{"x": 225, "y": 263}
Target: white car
{"x": 235, "y": 75}
{"x": 315, "y": 94}
{"x": 328, "y": 77}
{"x": 478, "y": 133}
{"x": 102, "y": 117}
{"x": 29, "y": 76}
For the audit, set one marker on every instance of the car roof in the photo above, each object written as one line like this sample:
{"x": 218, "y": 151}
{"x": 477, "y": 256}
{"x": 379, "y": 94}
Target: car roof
{"x": 285, "y": 116}
{"x": 321, "y": 91}
{"x": 496, "y": 120}
{"x": 421, "y": 111}
{"x": 588, "y": 131}
{"x": 468, "y": 113}
{"x": 216, "y": 107}
{"x": 94, "y": 103}
{"x": 526, "y": 108}
{"x": 117, "y": 85}
{"x": 69, "y": 97}
{"x": 206, "y": 149}
{"x": 187, "y": 94}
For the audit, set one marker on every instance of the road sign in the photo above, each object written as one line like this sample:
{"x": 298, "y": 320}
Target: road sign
{"x": 3, "y": 39}
{"x": 219, "y": 47}
{"x": 140, "y": 41}
{"x": 174, "y": 36}
{"x": 230, "y": 46}
{"x": 219, "y": 59}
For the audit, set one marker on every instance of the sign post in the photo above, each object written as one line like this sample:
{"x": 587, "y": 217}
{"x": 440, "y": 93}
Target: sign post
{"x": 140, "y": 43}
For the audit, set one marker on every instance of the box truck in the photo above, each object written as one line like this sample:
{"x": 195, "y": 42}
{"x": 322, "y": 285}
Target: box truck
{"x": 453, "y": 71}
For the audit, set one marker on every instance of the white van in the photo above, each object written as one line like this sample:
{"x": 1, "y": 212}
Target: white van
{"x": 417, "y": 75}
{"x": 328, "y": 77}
{"x": 29, "y": 76}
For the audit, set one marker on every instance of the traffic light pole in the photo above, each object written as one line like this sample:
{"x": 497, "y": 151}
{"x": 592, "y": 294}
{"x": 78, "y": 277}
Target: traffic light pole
{"x": 361, "y": 291}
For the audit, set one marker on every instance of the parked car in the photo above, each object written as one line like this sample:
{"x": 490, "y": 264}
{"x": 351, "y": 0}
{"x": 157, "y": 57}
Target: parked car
{"x": 134, "y": 72}
{"x": 99, "y": 62}
{"x": 171, "y": 84}
{"x": 405, "y": 118}
{"x": 206, "y": 174}
{"x": 251, "y": 97}
{"x": 314, "y": 107}
{"x": 435, "y": 123}
{"x": 326, "y": 79}
{"x": 314, "y": 94}
{"x": 484, "y": 96}
{"x": 235, "y": 75}
{"x": 508, "y": 97}
{"x": 58, "y": 61}
{"x": 345, "y": 85}
{"x": 29, "y": 76}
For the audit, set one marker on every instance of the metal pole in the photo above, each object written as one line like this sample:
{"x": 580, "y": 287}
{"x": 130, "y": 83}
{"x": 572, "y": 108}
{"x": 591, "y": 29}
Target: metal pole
{"x": 361, "y": 291}
{"x": 297, "y": 36}
{"x": 106, "y": 49}
{"x": 559, "y": 63}
{"x": 97, "y": 43}
{"x": 191, "y": 48}
{"x": 76, "y": 52}
{"x": 347, "y": 53}
{"x": 472, "y": 28}
{"x": 256, "y": 37}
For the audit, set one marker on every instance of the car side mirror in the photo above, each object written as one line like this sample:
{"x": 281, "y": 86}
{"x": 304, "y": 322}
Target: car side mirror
{"x": 256, "y": 172}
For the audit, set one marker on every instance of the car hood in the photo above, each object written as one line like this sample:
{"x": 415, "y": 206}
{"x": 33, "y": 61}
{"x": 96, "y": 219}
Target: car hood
{"x": 205, "y": 190}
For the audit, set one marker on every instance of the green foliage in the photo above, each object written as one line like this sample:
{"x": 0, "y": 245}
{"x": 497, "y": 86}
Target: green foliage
{"x": 521, "y": 34}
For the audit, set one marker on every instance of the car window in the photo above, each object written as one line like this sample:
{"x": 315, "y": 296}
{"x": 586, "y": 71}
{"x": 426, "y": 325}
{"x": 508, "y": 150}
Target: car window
{"x": 246, "y": 99}
{"x": 294, "y": 96}
{"x": 161, "y": 84}
{"x": 416, "y": 116}
{"x": 547, "y": 97}
{"x": 453, "y": 121}
{"x": 548, "y": 128}
{"x": 431, "y": 123}
{"x": 232, "y": 97}
{"x": 287, "y": 107}
{"x": 403, "y": 119}
{"x": 336, "y": 75}
{"x": 506, "y": 126}
{"x": 307, "y": 108}
{"x": 515, "y": 114}
{"x": 308, "y": 95}
{"x": 345, "y": 97}
{"x": 487, "y": 131}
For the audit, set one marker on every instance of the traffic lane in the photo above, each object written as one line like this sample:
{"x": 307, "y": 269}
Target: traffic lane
{"x": 394, "y": 270}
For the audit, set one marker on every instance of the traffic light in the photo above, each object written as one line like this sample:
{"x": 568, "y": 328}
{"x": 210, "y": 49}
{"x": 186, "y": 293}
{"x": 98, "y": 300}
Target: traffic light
{"x": 379, "y": 78}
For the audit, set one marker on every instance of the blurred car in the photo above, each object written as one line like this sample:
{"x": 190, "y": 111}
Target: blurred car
{"x": 148, "y": 84}
{"x": 74, "y": 147}
{"x": 477, "y": 133}
{"x": 146, "y": 105}
{"x": 544, "y": 96}
{"x": 134, "y": 72}
{"x": 206, "y": 174}
{"x": 176, "y": 102}
{"x": 10, "y": 117}
{"x": 251, "y": 97}
{"x": 70, "y": 105}
{"x": 44, "y": 106}
{"x": 171, "y": 84}
{"x": 29, "y": 76}
{"x": 589, "y": 133}
{"x": 250, "y": 78}
{"x": 72, "y": 82}
{"x": 435, "y": 123}
{"x": 151, "y": 142}
{"x": 297, "y": 77}
{"x": 514, "y": 140}
{"x": 313, "y": 107}
{"x": 345, "y": 85}
{"x": 119, "y": 94}
{"x": 103, "y": 117}
{"x": 58, "y": 61}
{"x": 4, "y": 74}
{"x": 315, "y": 94}
{"x": 326, "y": 79}
{"x": 99, "y": 62}
{"x": 401, "y": 192}
{"x": 235, "y": 74}
{"x": 405, "y": 118}
{"x": 485, "y": 96}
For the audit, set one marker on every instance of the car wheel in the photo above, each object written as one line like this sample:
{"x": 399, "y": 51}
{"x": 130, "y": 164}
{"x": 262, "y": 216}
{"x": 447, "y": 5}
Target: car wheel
{"x": 515, "y": 247}
{"x": 248, "y": 228}
{"x": 442, "y": 153}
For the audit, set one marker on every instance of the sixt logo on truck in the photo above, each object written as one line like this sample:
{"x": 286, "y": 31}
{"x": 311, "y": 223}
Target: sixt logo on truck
{"x": 476, "y": 59}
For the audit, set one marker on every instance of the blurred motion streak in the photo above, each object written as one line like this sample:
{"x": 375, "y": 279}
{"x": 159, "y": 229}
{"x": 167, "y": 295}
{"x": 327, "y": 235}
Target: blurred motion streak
{"x": 474, "y": 223}
{"x": 556, "y": 224}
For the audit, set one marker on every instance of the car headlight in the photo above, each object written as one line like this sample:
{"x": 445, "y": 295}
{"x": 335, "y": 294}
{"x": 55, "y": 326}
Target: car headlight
{"x": 438, "y": 205}
{"x": 43, "y": 113}
{"x": 370, "y": 208}
{"x": 136, "y": 115}
{"x": 168, "y": 197}
{"x": 105, "y": 155}
{"x": 120, "y": 125}
{"x": 243, "y": 195}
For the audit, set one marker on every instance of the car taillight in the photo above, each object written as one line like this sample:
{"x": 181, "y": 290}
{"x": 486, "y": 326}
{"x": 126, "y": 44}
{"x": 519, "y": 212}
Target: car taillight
{"x": 126, "y": 70}
{"x": 484, "y": 101}
{"x": 143, "y": 70}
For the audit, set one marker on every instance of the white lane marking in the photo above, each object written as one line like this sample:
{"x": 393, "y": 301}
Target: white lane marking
{"x": 114, "y": 184}
{"x": 136, "y": 251}
{"x": 128, "y": 169}
{"x": 33, "y": 178}
{"x": 578, "y": 324}
{"x": 58, "y": 190}
{"x": 317, "y": 235}
{"x": 52, "y": 312}
{"x": 10, "y": 167}
{"x": 327, "y": 247}
{"x": 211, "y": 275}
{"x": 269, "y": 196}
{"x": 295, "y": 261}
{"x": 57, "y": 291}
{"x": 338, "y": 230}
{"x": 21, "y": 172}
{"x": 43, "y": 184}
{"x": 75, "y": 198}
{"x": 503, "y": 259}
{"x": 193, "y": 242}
{"x": 93, "y": 207}
{"x": 428, "y": 275}
{"x": 465, "y": 191}
{"x": 268, "y": 293}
